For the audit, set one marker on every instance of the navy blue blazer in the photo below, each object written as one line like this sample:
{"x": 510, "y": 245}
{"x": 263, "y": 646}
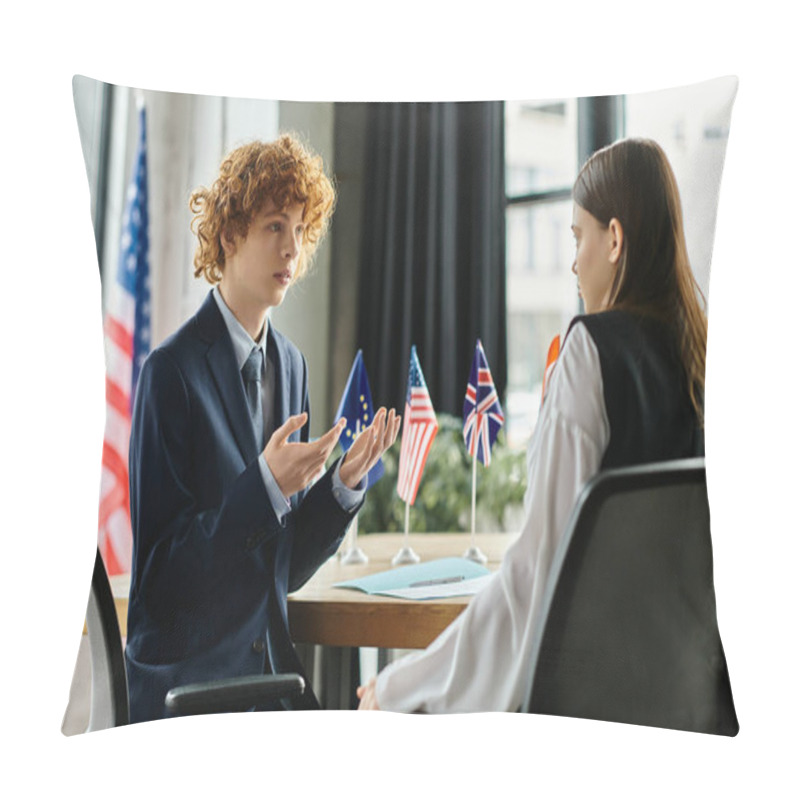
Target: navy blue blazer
{"x": 212, "y": 565}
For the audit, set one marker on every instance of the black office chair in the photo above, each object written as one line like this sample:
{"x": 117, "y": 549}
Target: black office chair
{"x": 629, "y": 630}
{"x": 109, "y": 703}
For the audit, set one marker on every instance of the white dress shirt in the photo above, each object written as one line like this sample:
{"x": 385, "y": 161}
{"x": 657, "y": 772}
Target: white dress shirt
{"x": 242, "y": 346}
{"x": 481, "y": 661}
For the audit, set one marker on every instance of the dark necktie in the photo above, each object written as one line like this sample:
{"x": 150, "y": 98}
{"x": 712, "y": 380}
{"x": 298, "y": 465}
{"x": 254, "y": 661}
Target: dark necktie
{"x": 251, "y": 373}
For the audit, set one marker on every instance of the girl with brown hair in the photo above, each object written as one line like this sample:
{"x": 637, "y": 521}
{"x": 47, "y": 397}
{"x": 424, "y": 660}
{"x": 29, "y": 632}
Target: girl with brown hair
{"x": 627, "y": 389}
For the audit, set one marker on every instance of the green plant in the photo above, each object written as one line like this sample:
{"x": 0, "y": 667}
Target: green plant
{"x": 444, "y": 499}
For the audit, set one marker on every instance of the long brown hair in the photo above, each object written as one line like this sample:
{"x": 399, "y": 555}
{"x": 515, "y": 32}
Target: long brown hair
{"x": 632, "y": 181}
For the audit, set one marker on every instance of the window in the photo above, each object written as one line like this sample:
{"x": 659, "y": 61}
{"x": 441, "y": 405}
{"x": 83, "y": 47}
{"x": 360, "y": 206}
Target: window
{"x": 691, "y": 124}
{"x": 545, "y": 144}
{"x": 541, "y": 163}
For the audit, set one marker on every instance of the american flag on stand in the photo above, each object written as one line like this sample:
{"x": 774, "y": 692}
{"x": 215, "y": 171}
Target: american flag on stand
{"x": 419, "y": 429}
{"x": 483, "y": 416}
{"x": 127, "y": 342}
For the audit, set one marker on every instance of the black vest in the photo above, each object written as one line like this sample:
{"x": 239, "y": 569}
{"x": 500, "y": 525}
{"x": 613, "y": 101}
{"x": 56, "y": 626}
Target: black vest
{"x": 650, "y": 415}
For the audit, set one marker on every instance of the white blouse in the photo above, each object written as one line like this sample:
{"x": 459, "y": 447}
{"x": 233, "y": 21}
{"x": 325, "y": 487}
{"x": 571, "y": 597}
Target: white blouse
{"x": 481, "y": 661}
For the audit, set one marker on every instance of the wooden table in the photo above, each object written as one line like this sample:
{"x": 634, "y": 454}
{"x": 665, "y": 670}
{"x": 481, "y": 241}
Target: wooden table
{"x": 341, "y": 619}
{"x": 320, "y": 613}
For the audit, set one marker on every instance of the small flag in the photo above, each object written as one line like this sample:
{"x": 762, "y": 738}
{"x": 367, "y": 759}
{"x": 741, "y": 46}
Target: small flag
{"x": 419, "y": 429}
{"x": 483, "y": 416}
{"x": 356, "y": 407}
{"x": 552, "y": 357}
{"x": 127, "y": 343}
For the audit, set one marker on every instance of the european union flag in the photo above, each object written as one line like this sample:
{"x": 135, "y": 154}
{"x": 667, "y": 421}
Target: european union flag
{"x": 356, "y": 407}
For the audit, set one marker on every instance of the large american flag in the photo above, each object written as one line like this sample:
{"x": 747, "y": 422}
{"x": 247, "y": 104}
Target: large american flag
{"x": 127, "y": 342}
{"x": 419, "y": 429}
{"x": 483, "y": 416}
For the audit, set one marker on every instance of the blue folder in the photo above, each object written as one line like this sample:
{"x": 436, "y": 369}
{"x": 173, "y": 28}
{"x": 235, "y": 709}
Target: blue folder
{"x": 439, "y": 571}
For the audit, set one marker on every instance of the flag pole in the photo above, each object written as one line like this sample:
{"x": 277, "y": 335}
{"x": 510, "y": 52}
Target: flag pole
{"x": 474, "y": 483}
{"x": 419, "y": 430}
{"x": 406, "y": 554}
{"x": 354, "y": 554}
{"x": 481, "y": 412}
{"x": 473, "y": 551}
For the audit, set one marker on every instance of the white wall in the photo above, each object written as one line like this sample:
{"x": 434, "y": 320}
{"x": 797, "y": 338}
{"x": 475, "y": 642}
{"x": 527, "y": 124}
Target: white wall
{"x": 304, "y": 316}
{"x": 188, "y": 135}
{"x": 691, "y": 123}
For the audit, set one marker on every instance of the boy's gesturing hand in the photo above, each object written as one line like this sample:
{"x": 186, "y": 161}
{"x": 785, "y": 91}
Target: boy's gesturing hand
{"x": 370, "y": 445}
{"x": 295, "y": 464}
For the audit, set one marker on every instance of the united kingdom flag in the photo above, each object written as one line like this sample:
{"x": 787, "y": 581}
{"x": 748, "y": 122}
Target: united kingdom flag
{"x": 483, "y": 416}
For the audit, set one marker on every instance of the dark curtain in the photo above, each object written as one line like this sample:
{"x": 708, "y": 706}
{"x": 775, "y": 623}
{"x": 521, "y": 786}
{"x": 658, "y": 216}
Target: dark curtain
{"x": 432, "y": 269}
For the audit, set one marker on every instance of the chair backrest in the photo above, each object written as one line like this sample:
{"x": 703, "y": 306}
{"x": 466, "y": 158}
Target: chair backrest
{"x": 629, "y": 629}
{"x": 109, "y": 705}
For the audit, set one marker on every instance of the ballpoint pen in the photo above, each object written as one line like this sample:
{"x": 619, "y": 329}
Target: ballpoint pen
{"x": 436, "y": 581}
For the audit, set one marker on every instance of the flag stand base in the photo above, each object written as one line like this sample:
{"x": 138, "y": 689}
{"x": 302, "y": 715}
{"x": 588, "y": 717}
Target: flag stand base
{"x": 355, "y": 555}
{"x": 405, "y": 556}
{"x": 475, "y": 554}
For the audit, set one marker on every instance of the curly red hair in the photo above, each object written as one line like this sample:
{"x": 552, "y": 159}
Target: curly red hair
{"x": 283, "y": 171}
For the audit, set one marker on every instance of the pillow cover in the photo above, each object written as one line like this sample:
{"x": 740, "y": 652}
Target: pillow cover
{"x": 412, "y": 179}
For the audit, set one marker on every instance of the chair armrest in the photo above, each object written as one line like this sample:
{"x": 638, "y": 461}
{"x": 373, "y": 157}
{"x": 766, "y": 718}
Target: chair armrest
{"x": 233, "y": 694}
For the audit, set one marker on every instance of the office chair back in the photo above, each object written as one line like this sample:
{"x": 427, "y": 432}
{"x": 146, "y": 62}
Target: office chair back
{"x": 109, "y": 703}
{"x": 629, "y": 630}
